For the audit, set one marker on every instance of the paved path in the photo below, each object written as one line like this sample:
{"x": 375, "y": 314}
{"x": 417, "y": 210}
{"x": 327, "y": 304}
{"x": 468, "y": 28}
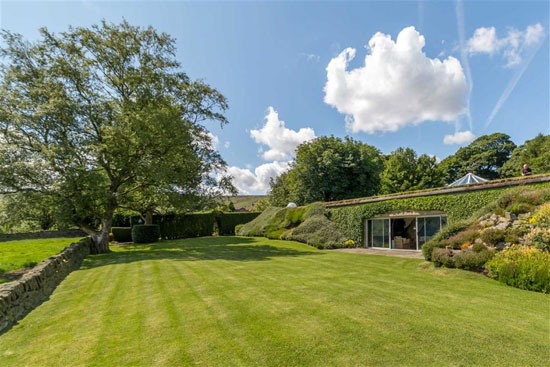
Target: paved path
{"x": 395, "y": 253}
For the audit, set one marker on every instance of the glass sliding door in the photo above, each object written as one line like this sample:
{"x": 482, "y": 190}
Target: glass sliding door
{"x": 380, "y": 233}
{"x": 433, "y": 225}
{"x": 427, "y": 227}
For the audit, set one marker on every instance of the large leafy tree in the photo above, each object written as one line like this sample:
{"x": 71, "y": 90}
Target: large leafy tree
{"x": 92, "y": 117}
{"x": 405, "y": 171}
{"x": 484, "y": 157}
{"x": 535, "y": 153}
{"x": 329, "y": 168}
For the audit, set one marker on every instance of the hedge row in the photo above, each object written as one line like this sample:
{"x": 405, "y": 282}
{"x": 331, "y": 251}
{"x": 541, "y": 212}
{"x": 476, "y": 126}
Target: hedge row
{"x": 190, "y": 225}
{"x": 458, "y": 206}
{"x": 228, "y": 221}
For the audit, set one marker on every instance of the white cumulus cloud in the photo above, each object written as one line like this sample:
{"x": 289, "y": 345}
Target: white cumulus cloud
{"x": 460, "y": 137}
{"x": 281, "y": 141}
{"x": 512, "y": 46}
{"x": 248, "y": 182}
{"x": 397, "y": 86}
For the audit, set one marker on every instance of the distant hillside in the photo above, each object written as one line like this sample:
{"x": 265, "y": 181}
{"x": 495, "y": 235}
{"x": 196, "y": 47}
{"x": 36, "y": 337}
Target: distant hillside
{"x": 245, "y": 201}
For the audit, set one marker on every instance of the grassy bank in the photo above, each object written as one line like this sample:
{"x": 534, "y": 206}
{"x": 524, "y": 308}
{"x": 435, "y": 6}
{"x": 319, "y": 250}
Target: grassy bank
{"x": 16, "y": 255}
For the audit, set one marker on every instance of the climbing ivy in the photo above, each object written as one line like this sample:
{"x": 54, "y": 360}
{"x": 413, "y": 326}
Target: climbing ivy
{"x": 457, "y": 206}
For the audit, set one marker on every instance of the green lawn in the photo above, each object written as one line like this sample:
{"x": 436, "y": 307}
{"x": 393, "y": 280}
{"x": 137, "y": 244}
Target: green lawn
{"x": 227, "y": 301}
{"x": 20, "y": 254}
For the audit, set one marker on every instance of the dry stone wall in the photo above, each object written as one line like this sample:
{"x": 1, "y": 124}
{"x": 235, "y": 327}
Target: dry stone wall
{"x": 19, "y": 297}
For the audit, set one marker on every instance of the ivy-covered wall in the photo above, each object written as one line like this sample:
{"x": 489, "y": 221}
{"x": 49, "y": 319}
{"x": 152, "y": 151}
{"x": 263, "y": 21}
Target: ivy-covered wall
{"x": 350, "y": 219}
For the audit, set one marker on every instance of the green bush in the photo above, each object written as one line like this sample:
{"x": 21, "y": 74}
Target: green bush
{"x": 237, "y": 227}
{"x": 429, "y": 247}
{"x": 493, "y": 236}
{"x": 443, "y": 257}
{"x": 522, "y": 267}
{"x": 122, "y": 234}
{"x": 145, "y": 233}
{"x": 186, "y": 225}
{"x": 228, "y": 221}
{"x": 519, "y": 208}
{"x": 472, "y": 259}
{"x": 479, "y": 247}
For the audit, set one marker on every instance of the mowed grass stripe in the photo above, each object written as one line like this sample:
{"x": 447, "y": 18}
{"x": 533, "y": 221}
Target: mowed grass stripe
{"x": 242, "y": 301}
{"x": 214, "y": 339}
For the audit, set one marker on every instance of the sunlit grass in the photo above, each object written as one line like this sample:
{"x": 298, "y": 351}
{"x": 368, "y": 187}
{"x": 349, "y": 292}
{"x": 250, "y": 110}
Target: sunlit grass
{"x": 250, "y": 301}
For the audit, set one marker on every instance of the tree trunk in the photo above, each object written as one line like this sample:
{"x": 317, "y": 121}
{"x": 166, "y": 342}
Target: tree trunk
{"x": 100, "y": 243}
{"x": 148, "y": 217}
{"x": 101, "y": 239}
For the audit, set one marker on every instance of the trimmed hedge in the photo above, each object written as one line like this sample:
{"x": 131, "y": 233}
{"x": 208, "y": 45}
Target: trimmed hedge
{"x": 187, "y": 225}
{"x": 122, "y": 234}
{"x": 228, "y": 221}
{"x": 458, "y": 206}
{"x": 176, "y": 226}
{"x": 145, "y": 233}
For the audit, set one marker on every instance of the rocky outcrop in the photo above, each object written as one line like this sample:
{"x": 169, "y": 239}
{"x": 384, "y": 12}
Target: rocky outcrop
{"x": 19, "y": 297}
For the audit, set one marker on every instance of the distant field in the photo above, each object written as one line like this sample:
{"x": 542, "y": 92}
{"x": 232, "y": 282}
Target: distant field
{"x": 246, "y": 201}
{"x": 16, "y": 255}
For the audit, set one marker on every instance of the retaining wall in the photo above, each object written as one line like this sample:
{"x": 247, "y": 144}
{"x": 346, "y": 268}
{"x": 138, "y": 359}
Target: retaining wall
{"x": 19, "y": 297}
{"x": 42, "y": 234}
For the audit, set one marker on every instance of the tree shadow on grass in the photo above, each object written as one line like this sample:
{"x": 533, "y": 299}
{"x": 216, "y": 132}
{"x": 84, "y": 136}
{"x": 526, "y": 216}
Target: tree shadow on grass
{"x": 196, "y": 249}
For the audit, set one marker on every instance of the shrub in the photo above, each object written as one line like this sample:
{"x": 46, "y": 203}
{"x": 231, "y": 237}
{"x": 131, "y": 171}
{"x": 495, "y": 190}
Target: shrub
{"x": 467, "y": 236}
{"x": 430, "y": 246}
{"x": 318, "y": 231}
{"x": 473, "y": 260}
{"x": 519, "y": 208}
{"x": 227, "y": 221}
{"x": 238, "y": 227}
{"x": 479, "y": 247}
{"x": 443, "y": 257}
{"x": 493, "y": 236}
{"x": 145, "y": 233}
{"x": 186, "y": 225}
{"x": 541, "y": 218}
{"x": 538, "y": 238}
{"x": 122, "y": 234}
{"x": 522, "y": 267}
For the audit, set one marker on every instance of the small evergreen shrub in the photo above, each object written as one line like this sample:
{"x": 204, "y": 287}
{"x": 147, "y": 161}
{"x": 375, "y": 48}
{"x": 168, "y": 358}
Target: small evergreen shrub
{"x": 145, "y": 233}
{"x": 122, "y": 234}
{"x": 519, "y": 208}
{"x": 479, "y": 247}
{"x": 430, "y": 246}
{"x": 473, "y": 260}
{"x": 538, "y": 238}
{"x": 443, "y": 257}
{"x": 493, "y": 236}
{"x": 522, "y": 267}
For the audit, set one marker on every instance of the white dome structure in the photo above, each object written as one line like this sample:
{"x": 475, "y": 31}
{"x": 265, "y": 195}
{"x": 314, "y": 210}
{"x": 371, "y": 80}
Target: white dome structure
{"x": 470, "y": 178}
{"x": 291, "y": 205}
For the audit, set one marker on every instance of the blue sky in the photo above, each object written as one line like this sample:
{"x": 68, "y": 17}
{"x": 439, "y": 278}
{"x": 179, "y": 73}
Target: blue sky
{"x": 275, "y": 54}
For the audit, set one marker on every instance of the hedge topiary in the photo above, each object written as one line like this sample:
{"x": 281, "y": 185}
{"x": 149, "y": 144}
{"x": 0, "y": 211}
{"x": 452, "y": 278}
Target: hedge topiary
{"x": 122, "y": 234}
{"x": 228, "y": 221}
{"x": 145, "y": 233}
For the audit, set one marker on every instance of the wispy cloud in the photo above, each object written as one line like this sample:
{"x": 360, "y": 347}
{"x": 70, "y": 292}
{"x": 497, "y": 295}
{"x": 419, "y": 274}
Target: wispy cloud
{"x": 513, "y": 82}
{"x": 459, "y": 9}
{"x": 310, "y": 57}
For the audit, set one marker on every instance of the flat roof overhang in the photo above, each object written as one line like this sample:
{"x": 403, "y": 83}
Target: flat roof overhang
{"x": 519, "y": 181}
